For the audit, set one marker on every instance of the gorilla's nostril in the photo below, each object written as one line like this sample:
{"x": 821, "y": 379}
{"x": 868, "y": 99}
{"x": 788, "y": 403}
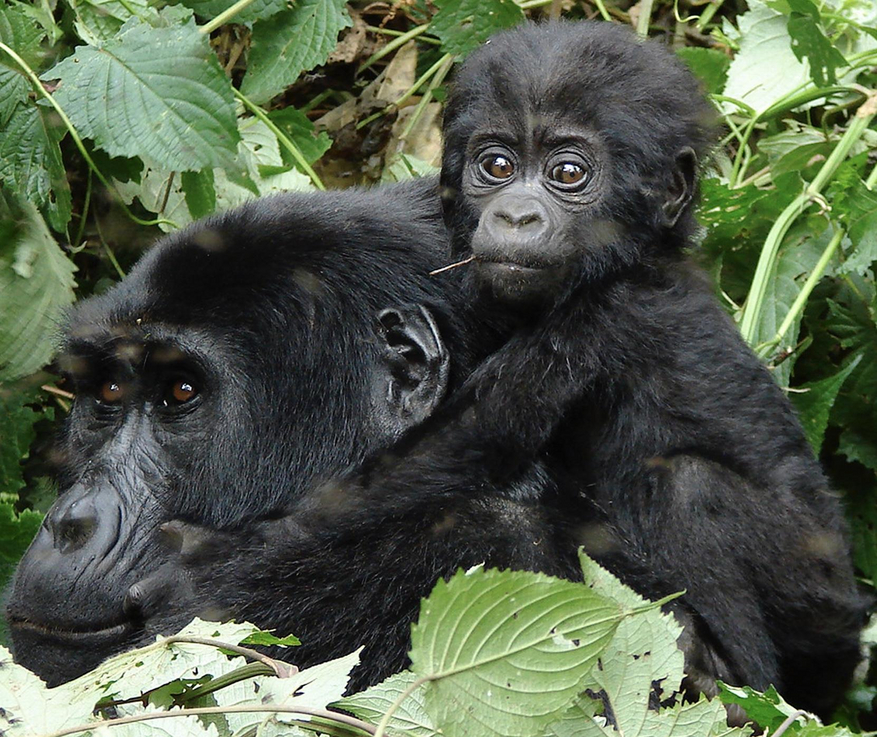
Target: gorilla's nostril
{"x": 75, "y": 527}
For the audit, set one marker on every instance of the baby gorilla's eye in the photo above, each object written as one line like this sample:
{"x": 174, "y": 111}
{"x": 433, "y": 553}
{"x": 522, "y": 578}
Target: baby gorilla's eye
{"x": 497, "y": 166}
{"x": 110, "y": 392}
{"x": 180, "y": 391}
{"x": 568, "y": 173}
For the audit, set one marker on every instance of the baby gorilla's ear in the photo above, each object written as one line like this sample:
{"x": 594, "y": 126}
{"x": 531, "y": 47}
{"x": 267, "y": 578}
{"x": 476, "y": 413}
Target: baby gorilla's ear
{"x": 415, "y": 367}
{"x": 681, "y": 188}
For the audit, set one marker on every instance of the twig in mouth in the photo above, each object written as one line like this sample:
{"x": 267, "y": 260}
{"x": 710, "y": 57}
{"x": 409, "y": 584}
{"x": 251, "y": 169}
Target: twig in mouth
{"x": 453, "y": 266}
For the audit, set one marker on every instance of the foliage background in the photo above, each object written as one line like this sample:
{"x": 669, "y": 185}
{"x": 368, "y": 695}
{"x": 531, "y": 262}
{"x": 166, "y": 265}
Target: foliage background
{"x": 121, "y": 119}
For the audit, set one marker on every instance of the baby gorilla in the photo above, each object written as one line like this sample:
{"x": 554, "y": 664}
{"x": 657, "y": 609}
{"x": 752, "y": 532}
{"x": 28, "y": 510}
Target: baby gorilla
{"x": 569, "y": 177}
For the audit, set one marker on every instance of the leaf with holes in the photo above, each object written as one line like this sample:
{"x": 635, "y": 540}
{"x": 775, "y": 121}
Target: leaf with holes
{"x": 290, "y": 43}
{"x": 506, "y": 652}
{"x": 155, "y": 93}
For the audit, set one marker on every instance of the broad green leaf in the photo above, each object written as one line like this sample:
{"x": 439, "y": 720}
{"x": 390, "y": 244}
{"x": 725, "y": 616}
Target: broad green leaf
{"x": 292, "y": 42}
{"x": 409, "y": 719}
{"x": 257, "y": 151}
{"x": 199, "y": 192}
{"x": 765, "y": 46}
{"x": 259, "y": 10}
{"x": 30, "y": 161}
{"x": 463, "y": 25}
{"x": 97, "y": 21}
{"x": 506, "y": 652}
{"x": 709, "y": 65}
{"x": 20, "y": 34}
{"x": 36, "y": 286}
{"x": 296, "y": 126}
{"x": 153, "y": 93}
{"x": 809, "y": 42}
{"x": 29, "y": 708}
{"x": 793, "y": 149}
{"x": 642, "y": 652}
{"x": 814, "y": 403}
{"x": 768, "y": 708}
{"x": 314, "y": 688}
{"x": 701, "y": 719}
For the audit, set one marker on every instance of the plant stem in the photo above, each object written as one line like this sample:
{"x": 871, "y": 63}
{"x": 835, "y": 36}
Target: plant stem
{"x": 333, "y": 716}
{"x": 385, "y": 720}
{"x": 40, "y": 90}
{"x": 408, "y": 93}
{"x": 392, "y": 46}
{"x": 602, "y": 8}
{"x": 427, "y": 95}
{"x": 769, "y": 252}
{"x": 707, "y": 15}
{"x": 801, "y": 300}
{"x": 645, "y": 18}
{"x": 225, "y": 16}
{"x": 282, "y": 138}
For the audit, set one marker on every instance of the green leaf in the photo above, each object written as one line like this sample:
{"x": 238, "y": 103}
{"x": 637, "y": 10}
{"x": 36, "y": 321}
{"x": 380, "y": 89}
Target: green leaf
{"x": 30, "y": 161}
{"x": 862, "y": 513}
{"x": 855, "y": 206}
{"x": 642, "y": 652}
{"x": 267, "y": 639}
{"x": 765, "y": 46}
{"x": 793, "y": 149}
{"x": 293, "y": 42}
{"x": 809, "y": 42}
{"x": 709, "y": 65}
{"x": 371, "y": 705}
{"x": 769, "y": 709}
{"x": 506, "y": 651}
{"x": 97, "y": 21}
{"x": 36, "y": 286}
{"x": 701, "y": 719}
{"x": 153, "y": 93}
{"x": 16, "y": 532}
{"x": 23, "y": 36}
{"x": 16, "y": 435}
{"x": 463, "y": 25}
{"x": 815, "y": 403}
{"x": 199, "y": 192}
{"x": 406, "y": 166}
{"x": 300, "y": 130}
{"x": 259, "y": 10}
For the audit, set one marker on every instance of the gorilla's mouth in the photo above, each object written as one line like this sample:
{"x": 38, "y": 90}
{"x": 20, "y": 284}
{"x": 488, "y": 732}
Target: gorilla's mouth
{"x": 85, "y": 632}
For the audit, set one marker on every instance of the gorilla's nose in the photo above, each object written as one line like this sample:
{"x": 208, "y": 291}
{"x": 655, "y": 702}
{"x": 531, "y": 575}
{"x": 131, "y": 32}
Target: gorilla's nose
{"x": 81, "y": 516}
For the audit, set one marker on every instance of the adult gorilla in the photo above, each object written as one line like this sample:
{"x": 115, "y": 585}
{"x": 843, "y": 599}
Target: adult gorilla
{"x": 241, "y": 362}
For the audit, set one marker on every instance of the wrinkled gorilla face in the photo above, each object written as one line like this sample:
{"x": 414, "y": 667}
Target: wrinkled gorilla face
{"x": 241, "y": 362}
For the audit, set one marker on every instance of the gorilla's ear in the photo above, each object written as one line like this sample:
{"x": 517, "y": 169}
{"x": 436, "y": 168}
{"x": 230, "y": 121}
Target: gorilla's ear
{"x": 416, "y": 366}
{"x": 681, "y": 189}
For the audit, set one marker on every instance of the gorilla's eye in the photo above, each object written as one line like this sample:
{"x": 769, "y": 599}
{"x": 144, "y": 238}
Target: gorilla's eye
{"x": 568, "y": 173}
{"x": 497, "y": 166}
{"x": 110, "y": 392}
{"x": 180, "y": 391}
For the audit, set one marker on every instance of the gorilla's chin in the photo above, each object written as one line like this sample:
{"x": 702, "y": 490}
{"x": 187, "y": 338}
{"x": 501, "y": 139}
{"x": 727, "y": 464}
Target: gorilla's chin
{"x": 515, "y": 284}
